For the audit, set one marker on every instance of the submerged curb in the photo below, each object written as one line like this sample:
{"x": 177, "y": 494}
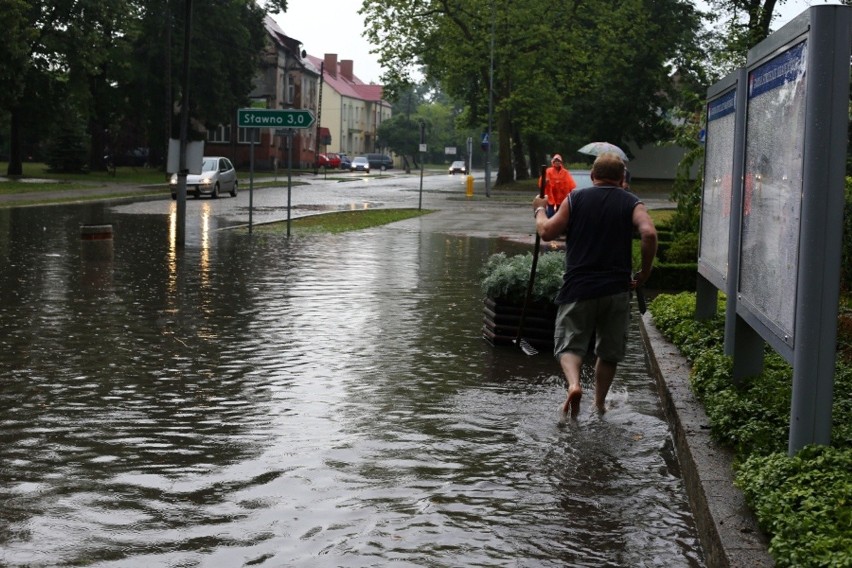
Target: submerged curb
{"x": 728, "y": 529}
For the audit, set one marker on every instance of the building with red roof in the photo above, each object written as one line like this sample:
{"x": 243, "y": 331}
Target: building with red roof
{"x": 350, "y": 110}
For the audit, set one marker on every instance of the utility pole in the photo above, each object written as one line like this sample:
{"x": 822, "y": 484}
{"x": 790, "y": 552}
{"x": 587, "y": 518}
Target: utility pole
{"x": 180, "y": 236}
{"x": 490, "y": 110}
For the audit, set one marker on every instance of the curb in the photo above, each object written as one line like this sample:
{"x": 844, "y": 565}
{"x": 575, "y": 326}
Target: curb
{"x": 726, "y": 526}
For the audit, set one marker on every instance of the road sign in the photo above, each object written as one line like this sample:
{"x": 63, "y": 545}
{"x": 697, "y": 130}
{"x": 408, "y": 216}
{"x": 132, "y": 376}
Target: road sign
{"x": 274, "y": 118}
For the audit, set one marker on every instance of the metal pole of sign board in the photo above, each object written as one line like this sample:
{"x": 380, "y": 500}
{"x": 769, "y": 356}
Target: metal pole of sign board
{"x": 289, "y": 170}
{"x": 251, "y": 178}
{"x": 422, "y": 150}
{"x": 818, "y": 292}
{"x": 420, "y": 200}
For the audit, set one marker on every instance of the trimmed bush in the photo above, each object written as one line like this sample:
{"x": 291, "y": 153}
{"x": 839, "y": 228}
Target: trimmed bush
{"x": 804, "y": 503}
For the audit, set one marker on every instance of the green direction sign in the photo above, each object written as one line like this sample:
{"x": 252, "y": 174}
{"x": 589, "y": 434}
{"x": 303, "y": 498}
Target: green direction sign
{"x": 274, "y": 118}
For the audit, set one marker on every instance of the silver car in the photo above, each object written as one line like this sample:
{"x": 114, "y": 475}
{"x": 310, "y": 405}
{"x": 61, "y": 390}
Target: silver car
{"x": 360, "y": 164}
{"x": 217, "y": 175}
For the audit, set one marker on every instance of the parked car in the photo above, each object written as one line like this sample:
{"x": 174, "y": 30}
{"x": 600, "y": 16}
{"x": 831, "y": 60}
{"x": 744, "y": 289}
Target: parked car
{"x": 345, "y": 161}
{"x": 360, "y": 164}
{"x": 136, "y": 157}
{"x": 380, "y": 161}
{"x": 328, "y": 160}
{"x": 217, "y": 175}
{"x": 459, "y": 166}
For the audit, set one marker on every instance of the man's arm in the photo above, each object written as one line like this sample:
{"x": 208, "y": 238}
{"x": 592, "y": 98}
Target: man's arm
{"x": 550, "y": 229}
{"x": 648, "y": 233}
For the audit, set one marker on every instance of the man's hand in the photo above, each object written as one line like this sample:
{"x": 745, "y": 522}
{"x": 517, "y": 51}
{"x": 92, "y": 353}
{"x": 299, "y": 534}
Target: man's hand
{"x": 539, "y": 202}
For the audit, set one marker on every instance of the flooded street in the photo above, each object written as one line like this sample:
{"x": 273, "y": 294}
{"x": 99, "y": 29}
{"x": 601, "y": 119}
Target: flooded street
{"x": 254, "y": 400}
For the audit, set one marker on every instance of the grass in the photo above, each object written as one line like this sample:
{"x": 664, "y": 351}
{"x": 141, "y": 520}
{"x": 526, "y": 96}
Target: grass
{"x": 338, "y": 222}
{"x": 38, "y": 170}
{"x": 125, "y": 177}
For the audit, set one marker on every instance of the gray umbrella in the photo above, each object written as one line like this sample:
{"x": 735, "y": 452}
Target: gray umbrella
{"x": 598, "y": 148}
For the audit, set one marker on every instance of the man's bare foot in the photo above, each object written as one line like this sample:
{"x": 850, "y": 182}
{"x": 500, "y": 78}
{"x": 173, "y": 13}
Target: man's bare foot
{"x": 600, "y": 408}
{"x": 572, "y": 403}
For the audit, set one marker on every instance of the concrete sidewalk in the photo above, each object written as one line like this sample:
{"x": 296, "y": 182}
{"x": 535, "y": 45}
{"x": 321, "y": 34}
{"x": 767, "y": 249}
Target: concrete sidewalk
{"x": 729, "y": 532}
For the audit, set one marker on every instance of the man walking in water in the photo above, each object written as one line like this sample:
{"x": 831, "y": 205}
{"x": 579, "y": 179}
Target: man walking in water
{"x": 599, "y": 222}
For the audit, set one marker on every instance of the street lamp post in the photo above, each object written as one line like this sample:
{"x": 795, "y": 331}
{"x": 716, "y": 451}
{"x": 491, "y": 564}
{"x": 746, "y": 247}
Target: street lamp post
{"x": 490, "y": 110}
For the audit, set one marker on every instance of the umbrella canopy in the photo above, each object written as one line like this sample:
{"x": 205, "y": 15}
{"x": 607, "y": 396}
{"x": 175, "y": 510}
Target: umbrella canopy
{"x": 598, "y": 148}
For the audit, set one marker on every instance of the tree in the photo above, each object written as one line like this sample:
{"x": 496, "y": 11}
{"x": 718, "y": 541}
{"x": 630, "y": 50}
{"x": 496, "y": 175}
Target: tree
{"x": 562, "y": 74}
{"x": 112, "y": 62}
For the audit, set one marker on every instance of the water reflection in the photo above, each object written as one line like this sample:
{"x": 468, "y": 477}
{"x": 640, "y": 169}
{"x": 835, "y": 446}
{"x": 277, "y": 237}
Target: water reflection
{"x": 312, "y": 401}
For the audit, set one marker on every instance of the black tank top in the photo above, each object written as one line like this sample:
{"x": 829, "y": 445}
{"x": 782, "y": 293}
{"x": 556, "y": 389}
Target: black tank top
{"x": 598, "y": 259}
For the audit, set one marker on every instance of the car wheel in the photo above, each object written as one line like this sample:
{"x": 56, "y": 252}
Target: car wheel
{"x": 215, "y": 194}
{"x": 174, "y": 196}
{"x": 234, "y": 191}
{"x": 384, "y": 168}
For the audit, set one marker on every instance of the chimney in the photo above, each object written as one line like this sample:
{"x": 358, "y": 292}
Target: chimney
{"x": 346, "y": 66}
{"x": 330, "y": 64}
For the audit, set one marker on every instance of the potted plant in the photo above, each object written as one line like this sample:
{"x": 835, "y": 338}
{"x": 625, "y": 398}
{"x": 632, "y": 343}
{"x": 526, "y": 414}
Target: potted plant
{"x": 504, "y": 282}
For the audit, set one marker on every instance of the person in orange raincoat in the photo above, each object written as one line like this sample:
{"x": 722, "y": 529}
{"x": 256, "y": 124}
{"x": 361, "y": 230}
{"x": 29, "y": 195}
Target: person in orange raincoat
{"x": 558, "y": 184}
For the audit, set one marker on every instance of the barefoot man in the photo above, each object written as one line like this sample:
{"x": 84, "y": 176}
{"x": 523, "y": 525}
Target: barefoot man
{"x": 598, "y": 222}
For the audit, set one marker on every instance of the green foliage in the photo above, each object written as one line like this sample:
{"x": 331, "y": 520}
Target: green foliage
{"x": 802, "y": 502}
{"x": 14, "y": 50}
{"x": 116, "y": 65}
{"x": 67, "y": 151}
{"x": 507, "y": 277}
{"x": 538, "y": 105}
{"x": 684, "y": 248}
{"x": 687, "y": 189}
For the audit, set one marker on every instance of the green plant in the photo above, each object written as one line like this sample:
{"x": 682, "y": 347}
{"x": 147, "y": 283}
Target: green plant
{"x": 507, "y": 277}
{"x": 684, "y": 248}
{"x": 802, "y": 502}
{"x": 67, "y": 150}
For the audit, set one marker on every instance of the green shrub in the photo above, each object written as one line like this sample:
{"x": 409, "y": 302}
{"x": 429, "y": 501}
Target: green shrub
{"x": 804, "y": 503}
{"x": 673, "y": 277}
{"x": 683, "y": 249}
{"x": 66, "y": 150}
{"x": 507, "y": 277}
{"x": 663, "y": 235}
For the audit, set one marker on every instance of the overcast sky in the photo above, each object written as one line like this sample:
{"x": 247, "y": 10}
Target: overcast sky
{"x": 334, "y": 26}
{"x": 331, "y": 26}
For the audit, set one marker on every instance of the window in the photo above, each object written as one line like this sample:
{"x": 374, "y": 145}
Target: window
{"x": 220, "y": 134}
{"x": 246, "y": 135}
{"x": 289, "y": 89}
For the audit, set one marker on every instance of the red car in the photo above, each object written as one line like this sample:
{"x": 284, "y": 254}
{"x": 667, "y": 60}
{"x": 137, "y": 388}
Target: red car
{"x": 328, "y": 160}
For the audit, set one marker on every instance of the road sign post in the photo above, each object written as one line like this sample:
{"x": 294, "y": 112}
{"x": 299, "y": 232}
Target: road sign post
{"x": 273, "y": 118}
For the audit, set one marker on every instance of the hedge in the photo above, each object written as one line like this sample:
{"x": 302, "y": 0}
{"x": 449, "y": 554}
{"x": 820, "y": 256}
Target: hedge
{"x": 804, "y": 502}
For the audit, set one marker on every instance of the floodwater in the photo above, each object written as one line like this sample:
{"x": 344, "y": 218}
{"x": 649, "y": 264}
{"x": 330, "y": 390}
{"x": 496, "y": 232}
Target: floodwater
{"x": 254, "y": 400}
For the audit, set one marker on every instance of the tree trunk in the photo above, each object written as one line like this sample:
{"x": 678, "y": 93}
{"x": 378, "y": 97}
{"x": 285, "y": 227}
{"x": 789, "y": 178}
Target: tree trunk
{"x": 505, "y": 171}
{"x": 521, "y": 169}
{"x": 15, "y": 167}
